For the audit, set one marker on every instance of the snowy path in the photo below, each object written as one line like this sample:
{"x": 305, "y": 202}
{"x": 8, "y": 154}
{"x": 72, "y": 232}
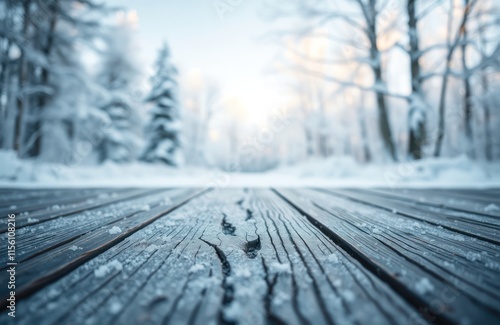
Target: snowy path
{"x": 253, "y": 256}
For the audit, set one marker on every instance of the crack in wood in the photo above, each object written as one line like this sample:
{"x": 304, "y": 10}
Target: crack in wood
{"x": 227, "y": 286}
{"x": 227, "y": 227}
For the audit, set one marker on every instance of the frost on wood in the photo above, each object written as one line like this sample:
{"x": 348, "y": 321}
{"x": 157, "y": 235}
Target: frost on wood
{"x": 115, "y": 230}
{"x": 106, "y": 269}
{"x": 341, "y": 249}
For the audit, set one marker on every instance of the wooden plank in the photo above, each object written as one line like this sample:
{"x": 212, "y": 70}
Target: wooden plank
{"x": 404, "y": 268}
{"x": 235, "y": 257}
{"x": 37, "y": 217}
{"x": 155, "y": 269}
{"x": 467, "y": 195}
{"x": 59, "y": 261}
{"x": 465, "y": 226}
{"x": 446, "y": 249}
{"x": 258, "y": 256}
{"x": 440, "y": 199}
{"x": 484, "y": 219}
{"x": 17, "y": 197}
{"x": 37, "y": 239}
{"x": 297, "y": 263}
{"x": 57, "y": 201}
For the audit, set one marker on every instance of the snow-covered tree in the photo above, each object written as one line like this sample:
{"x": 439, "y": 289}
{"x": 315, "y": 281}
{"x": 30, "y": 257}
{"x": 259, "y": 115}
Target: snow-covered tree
{"x": 118, "y": 75}
{"x": 163, "y": 131}
{"x": 452, "y": 43}
{"x": 40, "y": 70}
{"x": 363, "y": 19}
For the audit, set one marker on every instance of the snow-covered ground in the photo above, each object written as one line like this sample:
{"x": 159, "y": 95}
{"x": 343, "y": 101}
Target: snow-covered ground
{"x": 333, "y": 172}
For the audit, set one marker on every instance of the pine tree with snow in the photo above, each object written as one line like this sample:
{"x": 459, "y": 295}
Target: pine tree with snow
{"x": 163, "y": 131}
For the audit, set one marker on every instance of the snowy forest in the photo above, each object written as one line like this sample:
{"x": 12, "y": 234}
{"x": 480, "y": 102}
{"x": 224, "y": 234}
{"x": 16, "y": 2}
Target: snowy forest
{"x": 379, "y": 81}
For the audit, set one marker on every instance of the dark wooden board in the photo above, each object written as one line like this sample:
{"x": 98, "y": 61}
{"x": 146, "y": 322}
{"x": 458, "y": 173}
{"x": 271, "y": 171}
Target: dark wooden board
{"x": 256, "y": 256}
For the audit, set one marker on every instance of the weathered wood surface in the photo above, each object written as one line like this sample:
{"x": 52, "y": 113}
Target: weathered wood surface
{"x": 254, "y": 256}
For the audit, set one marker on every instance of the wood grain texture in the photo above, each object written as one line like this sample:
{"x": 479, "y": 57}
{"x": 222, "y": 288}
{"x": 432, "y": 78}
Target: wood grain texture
{"x": 255, "y": 256}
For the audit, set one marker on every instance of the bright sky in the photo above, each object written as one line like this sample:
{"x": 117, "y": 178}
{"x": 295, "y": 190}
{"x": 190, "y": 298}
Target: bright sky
{"x": 225, "y": 46}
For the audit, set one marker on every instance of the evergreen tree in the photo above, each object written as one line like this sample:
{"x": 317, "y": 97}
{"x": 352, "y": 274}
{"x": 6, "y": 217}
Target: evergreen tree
{"x": 163, "y": 131}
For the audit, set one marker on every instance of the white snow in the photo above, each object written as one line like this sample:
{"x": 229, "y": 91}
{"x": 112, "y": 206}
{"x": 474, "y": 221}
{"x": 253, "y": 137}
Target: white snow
{"x": 104, "y": 270}
{"x": 424, "y": 286}
{"x": 74, "y": 248}
{"x": 196, "y": 268}
{"x": 243, "y": 272}
{"x": 333, "y": 258}
{"x": 233, "y": 311}
{"x": 115, "y": 307}
{"x": 473, "y": 256}
{"x": 331, "y": 172}
{"x": 283, "y": 268}
{"x": 115, "y": 230}
{"x": 349, "y": 295}
{"x": 491, "y": 208}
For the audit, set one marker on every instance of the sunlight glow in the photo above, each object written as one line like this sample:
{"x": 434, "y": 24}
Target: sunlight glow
{"x": 252, "y": 106}
{"x": 130, "y": 18}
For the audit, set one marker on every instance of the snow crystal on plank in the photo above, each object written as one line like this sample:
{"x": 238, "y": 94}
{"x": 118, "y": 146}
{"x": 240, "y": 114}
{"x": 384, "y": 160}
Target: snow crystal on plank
{"x": 196, "y": 268}
{"x": 333, "y": 258}
{"x": 491, "y": 208}
{"x": 233, "y": 311}
{"x": 473, "y": 256}
{"x": 115, "y": 307}
{"x": 104, "y": 270}
{"x": 115, "y": 230}
{"x": 424, "y": 286}
{"x": 284, "y": 268}
{"x": 243, "y": 272}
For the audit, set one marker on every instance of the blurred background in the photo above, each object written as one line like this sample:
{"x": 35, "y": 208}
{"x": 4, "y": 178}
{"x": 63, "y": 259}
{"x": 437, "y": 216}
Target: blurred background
{"x": 247, "y": 86}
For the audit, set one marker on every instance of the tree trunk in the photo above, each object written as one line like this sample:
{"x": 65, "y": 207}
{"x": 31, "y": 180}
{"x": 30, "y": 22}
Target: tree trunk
{"x": 487, "y": 133}
{"x": 441, "y": 111}
{"x": 488, "y": 150}
{"x": 383, "y": 118}
{"x": 416, "y": 114}
{"x": 383, "y": 115}
{"x": 362, "y": 126}
{"x": 43, "y": 98}
{"x": 4, "y": 80}
{"x": 22, "y": 100}
{"x": 467, "y": 95}
{"x": 444, "y": 82}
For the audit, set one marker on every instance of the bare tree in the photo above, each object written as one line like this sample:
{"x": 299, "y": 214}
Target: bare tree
{"x": 367, "y": 156}
{"x": 365, "y": 24}
{"x": 417, "y": 111}
{"x": 467, "y": 92}
{"x": 485, "y": 85}
{"x": 452, "y": 44}
{"x": 370, "y": 14}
